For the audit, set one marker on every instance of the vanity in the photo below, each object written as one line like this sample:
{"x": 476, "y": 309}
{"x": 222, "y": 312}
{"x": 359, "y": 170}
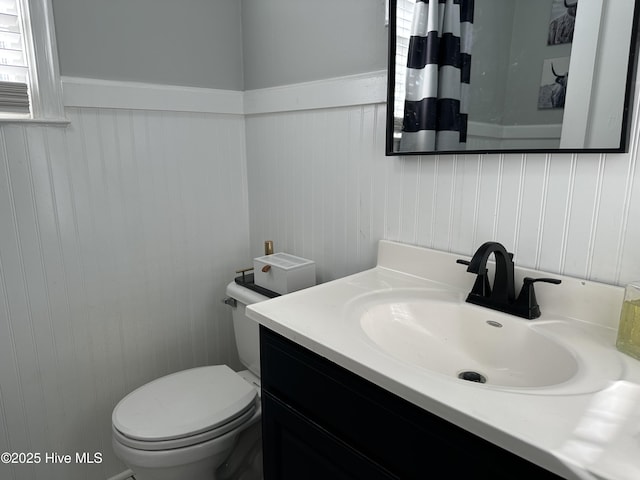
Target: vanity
{"x": 322, "y": 421}
{"x": 366, "y": 377}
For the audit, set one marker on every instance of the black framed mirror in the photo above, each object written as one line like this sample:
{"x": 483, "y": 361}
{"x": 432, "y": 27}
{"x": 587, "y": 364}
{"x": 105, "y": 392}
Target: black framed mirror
{"x": 510, "y": 76}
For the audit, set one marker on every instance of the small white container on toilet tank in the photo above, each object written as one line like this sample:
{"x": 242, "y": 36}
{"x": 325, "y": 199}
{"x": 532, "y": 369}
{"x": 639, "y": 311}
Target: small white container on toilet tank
{"x": 283, "y": 273}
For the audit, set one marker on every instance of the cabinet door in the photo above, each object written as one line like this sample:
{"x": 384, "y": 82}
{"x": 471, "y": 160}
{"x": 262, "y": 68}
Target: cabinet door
{"x": 296, "y": 449}
{"x": 368, "y": 422}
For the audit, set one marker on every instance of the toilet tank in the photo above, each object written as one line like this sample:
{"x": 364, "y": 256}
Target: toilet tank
{"x": 247, "y": 331}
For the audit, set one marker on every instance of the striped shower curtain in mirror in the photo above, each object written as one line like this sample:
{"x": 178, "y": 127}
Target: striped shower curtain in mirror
{"x": 438, "y": 71}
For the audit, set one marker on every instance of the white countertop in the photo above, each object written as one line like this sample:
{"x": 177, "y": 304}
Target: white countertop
{"x": 577, "y": 434}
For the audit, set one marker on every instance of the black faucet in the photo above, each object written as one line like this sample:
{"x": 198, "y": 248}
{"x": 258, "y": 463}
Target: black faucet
{"x": 502, "y": 295}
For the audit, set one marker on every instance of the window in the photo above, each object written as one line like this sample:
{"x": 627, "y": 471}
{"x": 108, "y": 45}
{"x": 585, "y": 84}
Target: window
{"x": 30, "y": 86}
{"x": 404, "y": 20}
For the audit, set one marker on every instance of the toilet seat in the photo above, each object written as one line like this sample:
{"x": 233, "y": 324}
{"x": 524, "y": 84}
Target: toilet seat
{"x": 184, "y": 408}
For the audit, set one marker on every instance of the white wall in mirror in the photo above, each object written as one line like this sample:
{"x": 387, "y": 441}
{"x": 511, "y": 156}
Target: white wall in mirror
{"x": 591, "y": 115}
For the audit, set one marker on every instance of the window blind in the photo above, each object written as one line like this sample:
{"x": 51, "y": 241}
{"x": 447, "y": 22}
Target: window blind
{"x": 14, "y": 69}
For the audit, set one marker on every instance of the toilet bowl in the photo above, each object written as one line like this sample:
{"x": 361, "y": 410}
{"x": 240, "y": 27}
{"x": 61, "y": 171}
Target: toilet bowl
{"x": 198, "y": 424}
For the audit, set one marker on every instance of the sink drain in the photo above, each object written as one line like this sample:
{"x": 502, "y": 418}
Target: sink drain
{"x": 471, "y": 376}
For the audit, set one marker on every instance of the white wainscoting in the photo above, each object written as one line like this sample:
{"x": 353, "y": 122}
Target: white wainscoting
{"x": 119, "y": 232}
{"x": 321, "y": 187}
{"x": 118, "y": 235}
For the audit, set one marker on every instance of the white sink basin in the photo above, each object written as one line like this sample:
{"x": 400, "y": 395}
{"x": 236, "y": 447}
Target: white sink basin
{"x": 441, "y": 333}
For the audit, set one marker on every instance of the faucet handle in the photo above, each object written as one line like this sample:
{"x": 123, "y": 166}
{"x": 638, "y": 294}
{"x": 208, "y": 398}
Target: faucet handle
{"x": 555, "y": 281}
{"x": 481, "y": 286}
{"x": 527, "y": 301}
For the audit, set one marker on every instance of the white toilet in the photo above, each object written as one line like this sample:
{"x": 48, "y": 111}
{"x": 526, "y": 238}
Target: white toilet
{"x": 198, "y": 424}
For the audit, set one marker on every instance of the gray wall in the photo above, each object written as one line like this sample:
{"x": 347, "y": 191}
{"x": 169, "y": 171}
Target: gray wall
{"x": 292, "y": 41}
{"x": 492, "y": 32}
{"x": 509, "y": 48}
{"x": 210, "y": 43}
{"x": 529, "y": 49}
{"x": 195, "y": 43}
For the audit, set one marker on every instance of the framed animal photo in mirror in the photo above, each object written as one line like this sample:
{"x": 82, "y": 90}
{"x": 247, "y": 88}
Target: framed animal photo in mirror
{"x": 553, "y": 85}
{"x": 562, "y": 22}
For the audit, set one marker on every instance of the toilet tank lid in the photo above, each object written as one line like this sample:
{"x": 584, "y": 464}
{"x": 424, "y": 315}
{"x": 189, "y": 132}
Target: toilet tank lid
{"x": 243, "y": 294}
{"x": 183, "y": 404}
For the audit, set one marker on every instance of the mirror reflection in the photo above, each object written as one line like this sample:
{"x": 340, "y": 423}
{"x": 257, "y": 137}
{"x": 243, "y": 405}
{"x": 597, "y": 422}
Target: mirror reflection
{"x": 510, "y": 75}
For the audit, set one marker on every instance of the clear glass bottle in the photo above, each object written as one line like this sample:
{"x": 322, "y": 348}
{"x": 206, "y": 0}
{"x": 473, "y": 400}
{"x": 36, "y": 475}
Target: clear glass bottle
{"x": 629, "y": 330}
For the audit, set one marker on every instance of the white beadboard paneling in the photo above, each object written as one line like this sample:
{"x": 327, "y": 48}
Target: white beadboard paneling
{"x": 355, "y": 172}
{"x": 584, "y": 202}
{"x": 407, "y": 211}
{"x": 568, "y": 213}
{"x": 628, "y": 258}
{"x": 382, "y": 172}
{"x": 553, "y": 227}
{"x": 27, "y": 296}
{"x": 610, "y": 217}
{"x": 14, "y": 422}
{"x": 532, "y": 213}
{"x": 119, "y": 234}
{"x": 440, "y": 221}
{"x": 466, "y": 189}
{"x": 509, "y": 200}
{"x": 425, "y": 204}
{"x": 369, "y": 161}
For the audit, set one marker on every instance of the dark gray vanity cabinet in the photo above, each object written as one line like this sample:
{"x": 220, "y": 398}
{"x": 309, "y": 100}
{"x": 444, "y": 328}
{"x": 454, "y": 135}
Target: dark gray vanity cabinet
{"x": 321, "y": 421}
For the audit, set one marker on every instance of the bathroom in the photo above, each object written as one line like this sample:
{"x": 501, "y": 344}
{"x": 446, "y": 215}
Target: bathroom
{"x": 188, "y": 146}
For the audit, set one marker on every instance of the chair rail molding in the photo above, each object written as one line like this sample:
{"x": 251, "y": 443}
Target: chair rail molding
{"x": 361, "y": 89}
